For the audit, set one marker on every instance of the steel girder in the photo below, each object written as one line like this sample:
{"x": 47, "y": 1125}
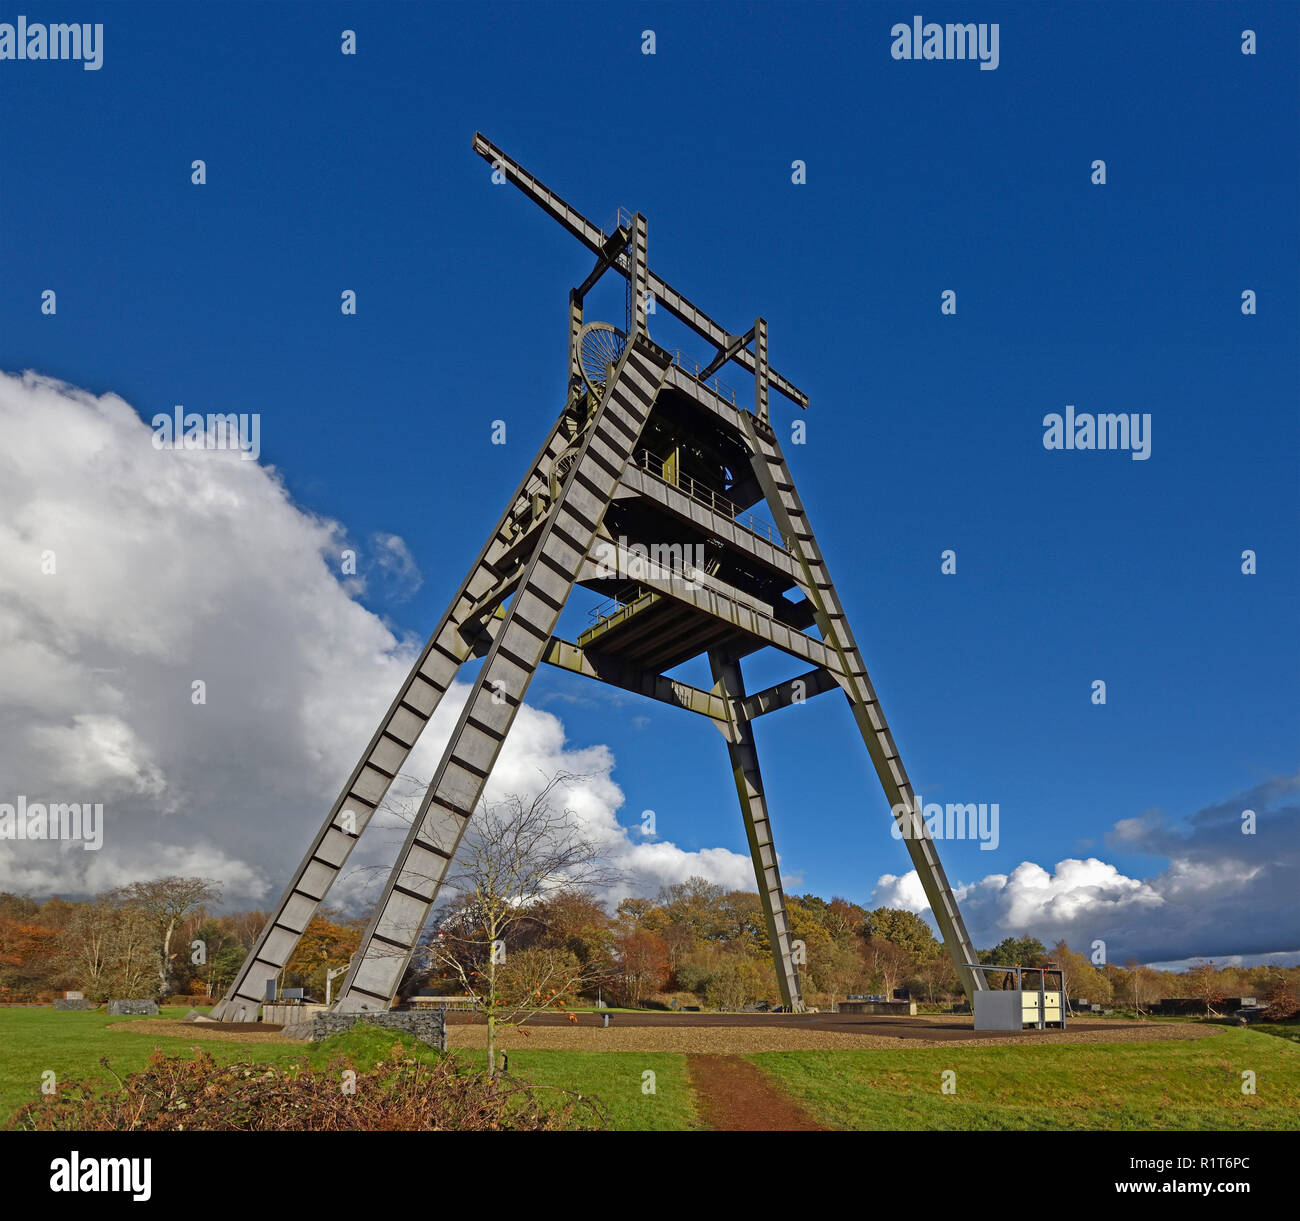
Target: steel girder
{"x": 521, "y": 643}
{"x": 743, "y": 753}
{"x": 850, "y": 672}
{"x": 393, "y": 741}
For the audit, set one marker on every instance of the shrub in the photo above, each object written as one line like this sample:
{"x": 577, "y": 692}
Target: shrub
{"x": 402, "y": 1092}
{"x": 1283, "y": 1003}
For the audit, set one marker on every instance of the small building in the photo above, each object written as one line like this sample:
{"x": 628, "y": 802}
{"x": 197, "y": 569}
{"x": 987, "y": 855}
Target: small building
{"x": 1037, "y": 998}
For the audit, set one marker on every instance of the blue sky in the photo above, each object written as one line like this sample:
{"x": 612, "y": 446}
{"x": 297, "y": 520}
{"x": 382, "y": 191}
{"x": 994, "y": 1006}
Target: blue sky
{"x": 329, "y": 172}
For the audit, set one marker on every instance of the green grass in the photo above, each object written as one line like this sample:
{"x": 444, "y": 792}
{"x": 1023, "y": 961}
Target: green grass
{"x": 1167, "y": 1086}
{"x": 1127, "y": 1086}
{"x": 71, "y": 1044}
{"x": 616, "y": 1078}
{"x": 1283, "y": 1030}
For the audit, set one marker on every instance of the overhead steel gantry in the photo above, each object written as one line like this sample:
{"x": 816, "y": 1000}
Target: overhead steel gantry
{"x": 649, "y": 466}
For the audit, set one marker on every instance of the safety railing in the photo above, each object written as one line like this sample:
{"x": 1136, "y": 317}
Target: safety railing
{"x": 694, "y": 368}
{"x": 654, "y": 465}
{"x": 622, "y": 219}
{"x": 611, "y": 606}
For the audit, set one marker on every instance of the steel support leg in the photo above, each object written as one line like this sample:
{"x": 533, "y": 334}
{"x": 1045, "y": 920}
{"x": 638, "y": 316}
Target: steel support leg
{"x": 397, "y": 734}
{"x": 782, "y": 498}
{"x": 521, "y": 644}
{"x": 758, "y": 829}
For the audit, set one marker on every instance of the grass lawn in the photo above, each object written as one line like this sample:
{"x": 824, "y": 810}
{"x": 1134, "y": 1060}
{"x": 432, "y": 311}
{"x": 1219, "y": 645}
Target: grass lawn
{"x": 1170, "y": 1086}
{"x": 1127, "y": 1086}
{"x": 1283, "y": 1030}
{"x": 616, "y": 1078}
{"x": 71, "y": 1044}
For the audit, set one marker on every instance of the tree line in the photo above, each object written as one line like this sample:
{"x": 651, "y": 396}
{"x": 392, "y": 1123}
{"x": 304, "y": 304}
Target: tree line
{"x": 693, "y": 944}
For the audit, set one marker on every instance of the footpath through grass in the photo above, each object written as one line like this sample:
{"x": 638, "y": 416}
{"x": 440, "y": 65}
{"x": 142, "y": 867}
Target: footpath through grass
{"x": 1156, "y": 1086}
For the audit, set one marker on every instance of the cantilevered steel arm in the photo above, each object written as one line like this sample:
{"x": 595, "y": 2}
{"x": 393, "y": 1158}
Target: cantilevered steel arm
{"x": 592, "y": 237}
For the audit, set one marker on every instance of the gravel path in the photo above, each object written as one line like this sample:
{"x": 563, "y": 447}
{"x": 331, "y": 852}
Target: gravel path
{"x": 746, "y": 1039}
{"x": 725, "y": 1034}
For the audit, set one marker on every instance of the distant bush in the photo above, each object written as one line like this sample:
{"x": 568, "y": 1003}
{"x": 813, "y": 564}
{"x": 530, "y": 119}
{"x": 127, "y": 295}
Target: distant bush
{"x": 400, "y": 1092}
{"x": 671, "y": 1000}
{"x": 1283, "y": 1002}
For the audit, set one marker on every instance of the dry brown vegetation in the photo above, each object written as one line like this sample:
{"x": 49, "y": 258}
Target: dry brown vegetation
{"x": 399, "y": 1093}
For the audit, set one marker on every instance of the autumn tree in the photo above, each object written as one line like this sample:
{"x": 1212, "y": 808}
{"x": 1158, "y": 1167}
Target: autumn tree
{"x": 165, "y": 901}
{"x": 1015, "y": 952}
{"x": 109, "y": 948}
{"x": 329, "y": 940}
{"x": 838, "y": 968}
{"x": 26, "y": 947}
{"x": 936, "y": 977}
{"x": 1283, "y": 999}
{"x": 1140, "y": 984}
{"x": 886, "y": 962}
{"x": 1205, "y": 985}
{"x": 641, "y": 965}
{"x": 695, "y": 904}
{"x": 1080, "y": 977}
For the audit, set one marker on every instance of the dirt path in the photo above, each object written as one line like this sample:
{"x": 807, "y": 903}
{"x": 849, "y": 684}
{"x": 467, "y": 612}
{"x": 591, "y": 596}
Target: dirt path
{"x": 734, "y": 1096}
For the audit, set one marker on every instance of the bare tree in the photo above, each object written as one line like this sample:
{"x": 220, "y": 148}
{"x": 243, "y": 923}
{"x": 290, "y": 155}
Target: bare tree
{"x": 887, "y": 962}
{"x": 1204, "y": 978}
{"x": 108, "y": 948}
{"x": 1140, "y": 981}
{"x": 517, "y": 856}
{"x": 165, "y": 901}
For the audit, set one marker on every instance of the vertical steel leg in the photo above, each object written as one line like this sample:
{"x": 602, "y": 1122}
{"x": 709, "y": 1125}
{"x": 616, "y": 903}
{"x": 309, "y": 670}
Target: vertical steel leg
{"x": 758, "y": 829}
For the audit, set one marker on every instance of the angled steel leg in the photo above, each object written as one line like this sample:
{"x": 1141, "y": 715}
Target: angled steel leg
{"x": 398, "y": 732}
{"x": 753, "y": 804}
{"x": 783, "y": 500}
{"x": 521, "y": 644}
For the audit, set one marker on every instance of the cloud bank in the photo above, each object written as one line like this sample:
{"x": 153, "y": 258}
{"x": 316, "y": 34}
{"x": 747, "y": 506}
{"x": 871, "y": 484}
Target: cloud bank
{"x": 1221, "y": 893}
{"x": 182, "y": 643}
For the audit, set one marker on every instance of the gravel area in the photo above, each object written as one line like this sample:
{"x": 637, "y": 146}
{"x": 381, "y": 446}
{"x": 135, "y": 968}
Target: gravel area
{"x": 203, "y": 1032}
{"x": 750, "y": 1037}
{"x": 723, "y": 1034}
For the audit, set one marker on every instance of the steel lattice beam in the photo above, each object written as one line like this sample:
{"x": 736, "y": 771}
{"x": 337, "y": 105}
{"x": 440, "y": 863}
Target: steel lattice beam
{"x": 594, "y": 239}
{"x": 519, "y": 647}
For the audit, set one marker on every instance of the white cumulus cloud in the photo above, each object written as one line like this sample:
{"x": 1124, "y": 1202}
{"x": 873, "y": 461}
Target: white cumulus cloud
{"x": 1220, "y": 892}
{"x": 135, "y": 580}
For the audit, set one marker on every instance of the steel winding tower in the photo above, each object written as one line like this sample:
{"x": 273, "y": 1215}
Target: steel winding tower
{"x": 647, "y": 448}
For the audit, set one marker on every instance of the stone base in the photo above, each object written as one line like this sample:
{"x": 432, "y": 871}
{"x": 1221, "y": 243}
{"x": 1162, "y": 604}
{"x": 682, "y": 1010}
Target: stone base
{"x": 73, "y": 1004}
{"x": 284, "y": 1014}
{"x": 429, "y": 1026}
{"x": 133, "y": 1008}
{"x": 897, "y": 1008}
